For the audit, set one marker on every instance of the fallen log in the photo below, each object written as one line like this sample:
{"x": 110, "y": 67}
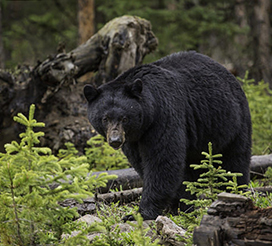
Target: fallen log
{"x": 89, "y": 205}
{"x": 259, "y": 164}
{"x": 123, "y": 197}
{"x": 121, "y": 44}
{"x": 129, "y": 179}
{"x": 233, "y": 220}
{"x": 264, "y": 190}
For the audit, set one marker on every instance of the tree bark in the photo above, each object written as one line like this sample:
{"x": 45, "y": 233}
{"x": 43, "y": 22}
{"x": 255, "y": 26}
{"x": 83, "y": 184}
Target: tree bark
{"x": 86, "y": 16}
{"x": 2, "y": 57}
{"x": 261, "y": 33}
{"x": 127, "y": 179}
{"x": 89, "y": 205}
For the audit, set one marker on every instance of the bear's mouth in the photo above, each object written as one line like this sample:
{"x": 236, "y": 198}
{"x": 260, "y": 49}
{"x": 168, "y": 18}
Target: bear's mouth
{"x": 116, "y": 138}
{"x": 116, "y": 145}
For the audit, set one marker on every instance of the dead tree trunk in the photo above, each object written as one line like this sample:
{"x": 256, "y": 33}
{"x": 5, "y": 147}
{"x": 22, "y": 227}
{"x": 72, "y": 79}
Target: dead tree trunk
{"x": 129, "y": 179}
{"x": 2, "y": 57}
{"x": 86, "y": 13}
{"x": 51, "y": 85}
{"x": 261, "y": 36}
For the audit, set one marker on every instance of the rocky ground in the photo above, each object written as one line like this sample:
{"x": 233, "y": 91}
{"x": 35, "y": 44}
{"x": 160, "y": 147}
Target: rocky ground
{"x": 231, "y": 220}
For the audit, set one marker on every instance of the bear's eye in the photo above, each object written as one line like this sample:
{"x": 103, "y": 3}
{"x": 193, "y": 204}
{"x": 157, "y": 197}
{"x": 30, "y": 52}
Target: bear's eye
{"x": 125, "y": 120}
{"x": 105, "y": 119}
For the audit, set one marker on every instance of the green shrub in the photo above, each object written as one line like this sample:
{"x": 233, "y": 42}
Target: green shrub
{"x": 260, "y": 103}
{"x": 30, "y": 212}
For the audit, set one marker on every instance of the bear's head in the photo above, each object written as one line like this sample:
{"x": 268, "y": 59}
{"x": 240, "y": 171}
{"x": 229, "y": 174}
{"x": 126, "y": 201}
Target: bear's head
{"x": 115, "y": 111}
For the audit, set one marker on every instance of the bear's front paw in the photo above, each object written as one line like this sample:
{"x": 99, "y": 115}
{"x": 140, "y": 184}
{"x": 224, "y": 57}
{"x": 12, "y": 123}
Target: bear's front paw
{"x": 129, "y": 217}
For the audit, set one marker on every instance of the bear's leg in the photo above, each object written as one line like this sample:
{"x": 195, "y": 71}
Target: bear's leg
{"x": 161, "y": 183}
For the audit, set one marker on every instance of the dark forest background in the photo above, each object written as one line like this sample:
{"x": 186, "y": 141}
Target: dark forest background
{"x": 237, "y": 33}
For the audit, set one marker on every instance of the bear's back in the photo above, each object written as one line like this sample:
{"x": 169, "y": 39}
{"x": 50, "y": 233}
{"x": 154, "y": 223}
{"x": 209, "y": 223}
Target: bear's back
{"x": 193, "y": 63}
{"x": 198, "y": 71}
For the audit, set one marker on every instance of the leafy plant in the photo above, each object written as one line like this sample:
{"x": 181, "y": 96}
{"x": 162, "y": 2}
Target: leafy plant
{"x": 260, "y": 103}
{"x": 262, "y": 200}
{"x": 30, "y": 212}
{"x": 69, "y": 152}
{"x": 102, "y": 157}
{"x": 259, "y": 198}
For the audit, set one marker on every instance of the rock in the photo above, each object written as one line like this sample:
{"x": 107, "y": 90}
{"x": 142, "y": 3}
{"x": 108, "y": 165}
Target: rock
{"x": 169, "y": 231}
{"x": 89, "y": 219}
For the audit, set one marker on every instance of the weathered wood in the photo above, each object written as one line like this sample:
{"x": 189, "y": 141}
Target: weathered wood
{"x": 260, "y": 163}
{"x": 265, "y": 189}
{"x": 233, "y": 220}
{"x": 129, "y": 179}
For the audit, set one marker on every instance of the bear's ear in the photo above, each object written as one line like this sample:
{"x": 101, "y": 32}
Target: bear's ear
{"x": 90, "y": 92}
{"x": 135, "y": 88}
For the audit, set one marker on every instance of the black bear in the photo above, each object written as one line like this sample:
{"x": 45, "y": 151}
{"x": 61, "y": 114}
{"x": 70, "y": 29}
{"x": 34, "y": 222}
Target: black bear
{"x": 164, "y": 114}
